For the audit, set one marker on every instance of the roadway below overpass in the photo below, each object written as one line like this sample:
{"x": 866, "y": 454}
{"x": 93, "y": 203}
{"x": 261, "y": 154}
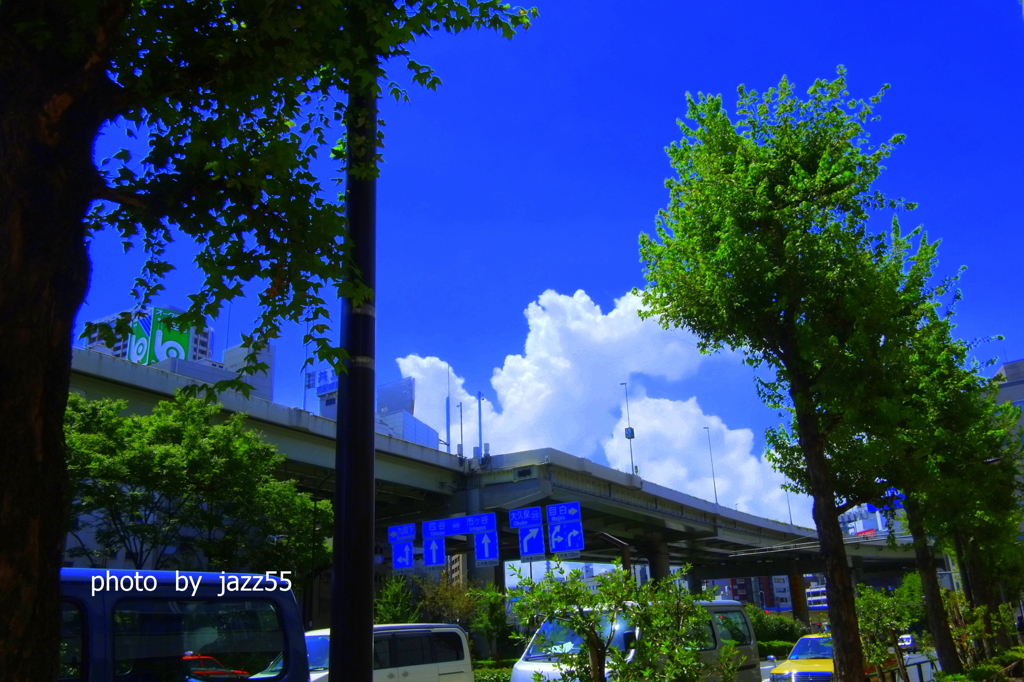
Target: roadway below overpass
{"x": 664, "y": 528}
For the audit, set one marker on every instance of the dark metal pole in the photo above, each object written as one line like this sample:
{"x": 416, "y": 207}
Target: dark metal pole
{"x": 352, "y": 588}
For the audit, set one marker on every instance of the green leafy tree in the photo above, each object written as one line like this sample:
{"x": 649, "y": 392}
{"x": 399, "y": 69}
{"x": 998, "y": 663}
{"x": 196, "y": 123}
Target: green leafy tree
{"x": 955, "y": 453}
{"x": 883, "y": 615}
{"x": 446, "y": 600}
{"x": 967, "y": 623}
{"x": 175, "y": 490}
{"x": 230, "y": 104}
{"x": 491, "y": 620}
{"x": 937, "y": 417}
{"x": 764, "y": 249}
{"x": 673, "y": 625}
{"x": 395, "y": 603}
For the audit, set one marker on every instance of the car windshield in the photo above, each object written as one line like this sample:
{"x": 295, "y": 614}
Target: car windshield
{"x": 812, "y": 647}
{"x": 555, "y": 638}
{"x": 318, "y": 650}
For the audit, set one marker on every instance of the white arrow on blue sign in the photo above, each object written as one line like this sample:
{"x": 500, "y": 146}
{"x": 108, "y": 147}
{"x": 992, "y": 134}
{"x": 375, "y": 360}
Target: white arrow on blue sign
{"x": 525, "y": 518}
{"x": 401, "y": 555}
{"x": 560, "y": 513}
{"x": 403, "y": 533}
{"x": 566, "y": 537}
{"x": 531, "y": 541}
{"x": 486, "y": 545}
{"x": 433, "y": 552}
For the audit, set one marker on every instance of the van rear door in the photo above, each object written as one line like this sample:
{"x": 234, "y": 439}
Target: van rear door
{"x": 732, "y": 625}
{"x": 451, "y": 653}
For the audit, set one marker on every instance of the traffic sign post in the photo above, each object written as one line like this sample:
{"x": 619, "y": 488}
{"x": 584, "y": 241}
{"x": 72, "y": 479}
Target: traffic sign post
{"x": 460, "y": 525}
{"x": 531, "y": 543}
{"x": 403, "y": 533}
{"x": 401, "y": 556}
{"x": 560, "y": 513}
{"x": 486, "y": 547}
{"x": 433, "y": 552}
{"x": 566, "y": 538}
{"x": 525, "y": 518}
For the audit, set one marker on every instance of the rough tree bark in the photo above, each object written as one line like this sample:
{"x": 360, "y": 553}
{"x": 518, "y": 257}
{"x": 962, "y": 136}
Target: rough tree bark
{"x": 49, "y": 104}
{"x": 938, "y": 624}
{"x": 847, "y": 649}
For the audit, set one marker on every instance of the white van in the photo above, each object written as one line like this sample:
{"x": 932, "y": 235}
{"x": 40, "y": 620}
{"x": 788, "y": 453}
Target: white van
{"x": 421, "y": 653}
{"x": 727, "y": 622}
{"x": 406, "y": 652}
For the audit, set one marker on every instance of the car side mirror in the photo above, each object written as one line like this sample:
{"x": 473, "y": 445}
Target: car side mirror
{"x": 629, "y": 640}
{"x": 771, "y": 658}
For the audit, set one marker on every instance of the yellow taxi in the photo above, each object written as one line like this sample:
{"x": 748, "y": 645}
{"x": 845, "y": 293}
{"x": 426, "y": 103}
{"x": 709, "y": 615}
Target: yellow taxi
{"x": 809, "y": 661}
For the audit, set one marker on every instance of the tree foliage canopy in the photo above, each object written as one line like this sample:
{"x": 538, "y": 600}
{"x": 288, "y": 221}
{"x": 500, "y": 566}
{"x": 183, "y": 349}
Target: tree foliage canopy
{"x": 395, "y": 602}
{"x": 231, "y": 106}
{"x": 231, "y": 102}
{"x": 765, "y": 248}
{"x": 673, "y": 625}
{"x": 175, "y": 490}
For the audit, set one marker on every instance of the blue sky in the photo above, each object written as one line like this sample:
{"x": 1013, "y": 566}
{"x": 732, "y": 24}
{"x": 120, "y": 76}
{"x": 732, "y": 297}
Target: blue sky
{"x": 538, "y": 162}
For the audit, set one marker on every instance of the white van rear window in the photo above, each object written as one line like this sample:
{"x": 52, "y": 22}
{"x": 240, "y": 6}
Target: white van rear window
{"x": 228, "y": 640}
{"x": 732, "y": 626}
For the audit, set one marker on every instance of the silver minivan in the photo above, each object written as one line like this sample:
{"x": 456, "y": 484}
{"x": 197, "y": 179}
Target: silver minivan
{"x": 727, "y": 621}
{"x": 405, "y": 652}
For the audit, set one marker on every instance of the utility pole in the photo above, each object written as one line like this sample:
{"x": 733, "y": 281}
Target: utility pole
{"x": 351, "y": 647}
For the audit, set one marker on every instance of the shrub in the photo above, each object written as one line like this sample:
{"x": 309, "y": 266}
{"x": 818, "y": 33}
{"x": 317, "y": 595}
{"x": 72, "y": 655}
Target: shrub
{"x": 492, "y": 665}
{"x": 984, "y": 672}
{"x": 774, "y": 648}
{"x": 950, "y": 677}
{"x": 771, "y": 627}
{"x": 493, "y": 675}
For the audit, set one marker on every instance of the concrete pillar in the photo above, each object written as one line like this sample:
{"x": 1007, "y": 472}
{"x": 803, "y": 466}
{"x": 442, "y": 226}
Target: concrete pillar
{"x": 657, "y": 558}
{"x": 656, "y": 551}
{"x": 798, "y": 594}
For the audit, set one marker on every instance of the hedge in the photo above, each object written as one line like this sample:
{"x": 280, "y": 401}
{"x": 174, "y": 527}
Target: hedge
{"x": 778, "y": 649}
{"x": 488, "y": 664}
{"x": 492, "y": 674}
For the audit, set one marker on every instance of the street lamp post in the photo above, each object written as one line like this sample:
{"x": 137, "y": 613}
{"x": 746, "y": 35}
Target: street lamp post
{"x": 714, "y": 483}
{"x": 629, "y": 430}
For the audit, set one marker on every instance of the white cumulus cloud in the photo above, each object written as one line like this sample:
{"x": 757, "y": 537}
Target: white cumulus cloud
{"x": 564, "y": 392}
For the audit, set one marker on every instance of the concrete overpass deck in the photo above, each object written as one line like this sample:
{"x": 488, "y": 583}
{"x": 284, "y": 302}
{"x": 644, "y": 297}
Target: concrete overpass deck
{"x": 416, "y": 483}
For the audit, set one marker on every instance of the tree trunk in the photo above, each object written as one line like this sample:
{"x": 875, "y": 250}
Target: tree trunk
{"x": 847, "y": 649}
{"x": 47, "y": 180}
{"x": 938, "y": 624}
{"x": 842, "y": 613}
{"x": 901, "y": 664}
{"x": 986, "y": 596}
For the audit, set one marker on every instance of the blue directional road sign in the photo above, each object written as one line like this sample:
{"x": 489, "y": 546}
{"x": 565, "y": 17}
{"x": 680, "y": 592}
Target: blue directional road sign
{"x": 404, "y": 533}
{"x": 433, "y": 552}
{"x": 531, "y": 541}
{"x": 566, "y": 537}
{"x": 401, "y": 555}
{"x": 460, "y": 525}
{"x": 486, "y": 547}
{"x": 524, "y": 518}
{"x": 560, "y": 513}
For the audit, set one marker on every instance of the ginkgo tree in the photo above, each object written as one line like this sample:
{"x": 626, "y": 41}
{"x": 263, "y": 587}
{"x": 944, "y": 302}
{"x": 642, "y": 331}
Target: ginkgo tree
{"x": 231, "y": 101}
{"x": 764, "y": 248}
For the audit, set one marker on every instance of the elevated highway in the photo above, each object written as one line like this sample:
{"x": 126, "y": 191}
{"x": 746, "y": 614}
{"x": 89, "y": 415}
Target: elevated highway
{"x": 663, "y": 527}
